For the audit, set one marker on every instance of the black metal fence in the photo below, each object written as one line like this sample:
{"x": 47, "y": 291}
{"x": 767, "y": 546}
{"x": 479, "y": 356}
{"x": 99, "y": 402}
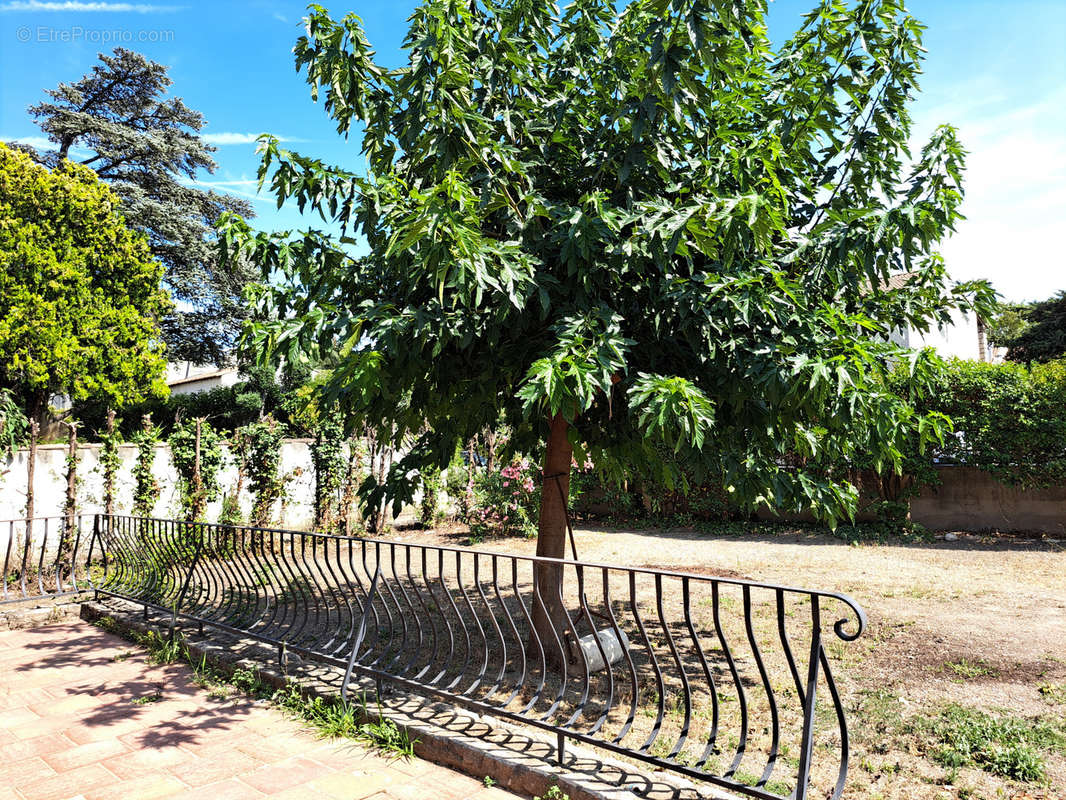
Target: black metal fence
{"x": 43, "y": 557}
{"x": 717, "y": 678}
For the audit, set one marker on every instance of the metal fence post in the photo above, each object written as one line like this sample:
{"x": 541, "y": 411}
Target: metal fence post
{"x": 89, "y": 556}
{"x": 360, "y": 633}
{"x": 807, "y": 741}
{"x": 188, "y": 579}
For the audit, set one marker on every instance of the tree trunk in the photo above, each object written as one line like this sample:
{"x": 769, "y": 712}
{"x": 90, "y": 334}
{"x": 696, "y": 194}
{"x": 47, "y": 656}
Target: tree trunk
{"x": 199, "y": 512}
{"x": 348, "y": 510}
{"x": 70, "y": 507}
{"x": 490, "y": 446}
{"x": 551, "y": 543}
{"x": 31, "y": 468}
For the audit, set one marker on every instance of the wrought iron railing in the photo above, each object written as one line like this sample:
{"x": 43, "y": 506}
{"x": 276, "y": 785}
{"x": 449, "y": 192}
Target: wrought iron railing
{"x": 714, "y": 677}
{"x": 43, "y": 557}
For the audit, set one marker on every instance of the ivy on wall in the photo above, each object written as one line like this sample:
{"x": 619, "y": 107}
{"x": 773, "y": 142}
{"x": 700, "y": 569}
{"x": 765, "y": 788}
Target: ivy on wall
{"x": 264, "y": 459}
{"x": 13, "y": 425}
{"x": 109, "y": 463}
{"x": 196, "y": 452}
{"x": 327, "y": 455}
{"x": 145, "y": 487}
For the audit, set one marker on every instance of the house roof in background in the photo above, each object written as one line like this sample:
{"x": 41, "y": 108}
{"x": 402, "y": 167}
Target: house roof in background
{"x": 218, "y": 373}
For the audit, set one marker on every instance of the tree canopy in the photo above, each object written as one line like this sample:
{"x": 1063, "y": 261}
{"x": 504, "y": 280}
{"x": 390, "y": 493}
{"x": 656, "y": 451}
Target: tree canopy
{"x": 80, "y": 297}
{"x": 640, "y": 231}
{"x": 118, "y": 121}
{"x": 1033, "y": 331}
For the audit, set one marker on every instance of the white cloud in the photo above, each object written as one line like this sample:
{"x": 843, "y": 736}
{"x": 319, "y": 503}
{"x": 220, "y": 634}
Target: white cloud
{"x": 1015, "y": 192}
{"x": 37, "y": 142}
{"x": 72, "y": 5}
{"x": 243, "y": 183}
{"x": 245, "y": 187}
{"x": 229, "y": 137}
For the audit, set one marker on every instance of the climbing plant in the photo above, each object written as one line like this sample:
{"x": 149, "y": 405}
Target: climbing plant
{"x": 327, "y": 455}
{"x": 145, "y": 488}
{"x": 109, "y": 462}
{"x": 70, "y": 504}
{"x": 353, "y": 475}
{"x": 429, "y": 506}
{"x": 13, "y": 425}
{"x": 264, "y": 458}
{"x": 197, "y": 464}
{"x": 230, "y": 514}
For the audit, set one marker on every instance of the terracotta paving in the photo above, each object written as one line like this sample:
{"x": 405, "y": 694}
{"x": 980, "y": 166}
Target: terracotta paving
{"x": 83, "y": 716}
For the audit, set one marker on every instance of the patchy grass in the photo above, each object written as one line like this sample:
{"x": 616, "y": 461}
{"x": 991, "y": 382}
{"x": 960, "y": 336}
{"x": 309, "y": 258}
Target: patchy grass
{"x": 147, "y": 699}
{"x": 1008, "y": 746}
{"x": 881, "y": 711}
{"x": 969, "y": 670}
{"x": 1053, "y": 693}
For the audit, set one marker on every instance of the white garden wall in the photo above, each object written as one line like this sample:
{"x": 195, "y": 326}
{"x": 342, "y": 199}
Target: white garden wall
{"x": 295, "y": 510}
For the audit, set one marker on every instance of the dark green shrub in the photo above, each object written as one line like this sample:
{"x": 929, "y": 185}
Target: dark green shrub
{"x": 1009, "y": 419}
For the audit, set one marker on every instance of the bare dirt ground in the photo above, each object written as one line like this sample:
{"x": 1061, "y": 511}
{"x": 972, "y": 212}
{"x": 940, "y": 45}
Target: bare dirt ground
{"x": 978, "y": 622}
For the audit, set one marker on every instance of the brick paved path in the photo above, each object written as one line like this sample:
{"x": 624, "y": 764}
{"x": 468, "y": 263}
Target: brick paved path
{"x": 70, "y": 728}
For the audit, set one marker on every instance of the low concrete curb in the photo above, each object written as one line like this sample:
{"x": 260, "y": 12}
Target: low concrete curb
{"x": 517, "y": 759}
{"x": 39, "y": 611}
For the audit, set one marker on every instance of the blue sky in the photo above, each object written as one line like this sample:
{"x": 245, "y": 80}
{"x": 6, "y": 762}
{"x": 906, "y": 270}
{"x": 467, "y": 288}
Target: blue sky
{"x": 997, "y": 70}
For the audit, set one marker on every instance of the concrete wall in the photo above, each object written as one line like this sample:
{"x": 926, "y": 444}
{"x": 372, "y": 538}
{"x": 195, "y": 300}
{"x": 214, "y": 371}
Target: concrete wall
{"x": 973, "y": 500}
{"x": 968, "y": 500}
{"x": 296, "y": 510}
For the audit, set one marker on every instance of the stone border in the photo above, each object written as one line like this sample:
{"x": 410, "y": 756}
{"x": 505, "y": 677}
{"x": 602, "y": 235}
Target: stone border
{"x": 516, "y": 758}
{"x": 41, "y": 610}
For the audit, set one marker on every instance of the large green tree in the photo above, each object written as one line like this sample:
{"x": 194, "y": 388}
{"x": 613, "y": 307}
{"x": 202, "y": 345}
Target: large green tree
{"x": 80, "y": 296}
{"x": 639, "y": 231}
{"x": 119, "y": 121}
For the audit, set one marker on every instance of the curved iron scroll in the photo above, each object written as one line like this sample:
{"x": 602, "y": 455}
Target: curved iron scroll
{"x": 717, "y": 678}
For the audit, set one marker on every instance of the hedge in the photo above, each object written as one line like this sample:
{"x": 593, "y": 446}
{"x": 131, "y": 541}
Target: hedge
{"x": 1009, "y": 419}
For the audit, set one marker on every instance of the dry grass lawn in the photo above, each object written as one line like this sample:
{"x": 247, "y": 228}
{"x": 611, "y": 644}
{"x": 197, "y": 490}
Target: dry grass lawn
{"x": 957, "y": 689}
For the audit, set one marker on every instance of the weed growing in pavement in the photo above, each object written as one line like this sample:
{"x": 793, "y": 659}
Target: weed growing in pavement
{"x": 553, "y": 793}
{"x": 164, "y": 649}
{"x": 155, "y": 697}
{"x": 336, "y": 718}
{"x": 489, "y": 781}
{"x": 330, "y": 717}
{"x": 248, "y": 681}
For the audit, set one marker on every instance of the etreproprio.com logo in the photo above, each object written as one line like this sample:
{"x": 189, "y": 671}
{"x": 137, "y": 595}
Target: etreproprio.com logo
{"x": 46, "y": 34}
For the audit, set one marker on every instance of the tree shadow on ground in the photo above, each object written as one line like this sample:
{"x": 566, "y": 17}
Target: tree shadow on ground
{"x": 1035, "y": 542}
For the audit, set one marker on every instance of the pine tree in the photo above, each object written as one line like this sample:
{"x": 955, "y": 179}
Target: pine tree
{"x": 118, "y": 121}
